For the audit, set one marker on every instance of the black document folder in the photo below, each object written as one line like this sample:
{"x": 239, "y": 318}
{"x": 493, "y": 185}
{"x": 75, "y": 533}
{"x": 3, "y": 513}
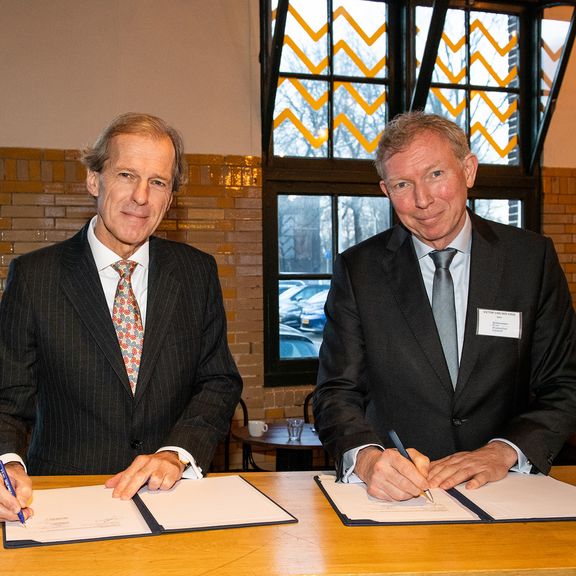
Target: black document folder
{"x": 87, "y": 513}
{"x": 516, "y": 498}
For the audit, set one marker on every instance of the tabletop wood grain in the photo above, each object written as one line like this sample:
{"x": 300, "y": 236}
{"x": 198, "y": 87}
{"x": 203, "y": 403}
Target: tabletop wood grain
{"x": 318, "y": 544}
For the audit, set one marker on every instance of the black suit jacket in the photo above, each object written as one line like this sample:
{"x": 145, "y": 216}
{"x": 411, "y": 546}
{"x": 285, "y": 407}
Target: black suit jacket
{"x": 63, "y": 380}
{"x": 382, "y": 365}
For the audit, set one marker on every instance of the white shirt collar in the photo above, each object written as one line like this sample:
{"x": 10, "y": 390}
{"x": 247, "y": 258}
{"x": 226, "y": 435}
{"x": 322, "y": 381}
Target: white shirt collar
{"x": 104, "y": 257}
{"x": 462, "y": 242}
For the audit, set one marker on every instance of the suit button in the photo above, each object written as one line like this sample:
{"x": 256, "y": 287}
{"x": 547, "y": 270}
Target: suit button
{"x": 457, "y": 422}
{"x": 136, "y": 444}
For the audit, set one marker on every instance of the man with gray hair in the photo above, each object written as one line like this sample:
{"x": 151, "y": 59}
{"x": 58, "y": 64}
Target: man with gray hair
{"x": 113, "y": 348}
{"x": 456, "y": 332}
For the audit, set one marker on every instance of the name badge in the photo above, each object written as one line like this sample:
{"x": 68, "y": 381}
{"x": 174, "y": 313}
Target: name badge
{"x": 499, "y": 323}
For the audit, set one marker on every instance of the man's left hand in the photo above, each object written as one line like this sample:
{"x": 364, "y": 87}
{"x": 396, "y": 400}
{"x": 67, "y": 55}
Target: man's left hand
{"x": 487, "y": 464}
{"x": 160, "y": 471}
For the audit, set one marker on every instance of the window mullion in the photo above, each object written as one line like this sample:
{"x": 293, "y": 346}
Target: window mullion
{"x": 430, "y": 52}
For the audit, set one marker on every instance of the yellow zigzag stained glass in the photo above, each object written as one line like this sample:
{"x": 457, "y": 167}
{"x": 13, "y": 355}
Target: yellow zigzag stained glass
{"x": 455, "y": 78}
{"x": 368, "y": 145}
{"x": 502, "y": 50}
{"x": 323, "y": 64}
{"x": 502, "y": 152}
{"x": 546, "y": 79}
{"x": 341, "y": 45}
{"x": 502, "y": 82}
{"x": 315, "y": 103}
{"x": 359, "y": 99}
{"x": 368, "y": 72}
{"x": 316, "y": 35}
{"x": 317, "y": 141}
{"x": 341, "y": 11}
{"x": 502, "y": 116}
{"x": 288, "y": 115}
{"x": 455, "y": 111}
{"x": 554, "y": 56}
{"x": 314, "y": 69}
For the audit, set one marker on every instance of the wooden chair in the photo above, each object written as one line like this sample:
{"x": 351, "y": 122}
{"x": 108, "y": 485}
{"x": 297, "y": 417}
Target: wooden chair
{"x": 308, "y": 420}
{"x": 248, "y": 463}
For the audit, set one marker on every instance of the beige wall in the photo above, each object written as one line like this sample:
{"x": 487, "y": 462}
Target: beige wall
{"x": 68, "y": 66}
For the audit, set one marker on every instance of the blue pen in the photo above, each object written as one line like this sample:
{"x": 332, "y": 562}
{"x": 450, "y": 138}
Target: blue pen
{"x": 400, "y": 447}
{"x": 10, "y": 489}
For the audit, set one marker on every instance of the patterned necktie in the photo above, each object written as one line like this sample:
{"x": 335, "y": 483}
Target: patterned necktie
{"x": 127, "y": 320}
{"x": 444, "y": 308}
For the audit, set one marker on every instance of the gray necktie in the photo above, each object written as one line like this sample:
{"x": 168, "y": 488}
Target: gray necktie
{"x": 444, "y": 309}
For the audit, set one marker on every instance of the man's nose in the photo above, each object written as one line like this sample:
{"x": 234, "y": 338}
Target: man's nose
{"x": 141, "y": 192}
{"x": 423, "y": 196}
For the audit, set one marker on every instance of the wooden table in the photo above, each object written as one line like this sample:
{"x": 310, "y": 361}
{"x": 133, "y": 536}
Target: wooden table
{"x": 318, "y": 544}
{"x": 291, "y": 455}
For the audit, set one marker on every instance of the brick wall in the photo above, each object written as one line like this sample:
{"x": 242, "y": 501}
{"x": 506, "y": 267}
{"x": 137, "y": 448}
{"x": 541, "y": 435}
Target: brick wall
{"x": 43, "y": 200}
{"x": 559, "y": 217}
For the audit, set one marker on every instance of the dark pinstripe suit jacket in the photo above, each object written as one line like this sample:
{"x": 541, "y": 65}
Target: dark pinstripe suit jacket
{"x": 62, "y": 374}
{"x": 382, "y": 365}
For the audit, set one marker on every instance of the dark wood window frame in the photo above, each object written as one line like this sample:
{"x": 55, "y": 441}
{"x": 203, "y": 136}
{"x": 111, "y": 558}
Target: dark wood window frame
{"x": 358, "y": 177}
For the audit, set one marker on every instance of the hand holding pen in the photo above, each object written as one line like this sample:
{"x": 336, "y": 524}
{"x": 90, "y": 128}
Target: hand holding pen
{"x": 391, "y": 476}
{"x": 10, "y": 488}
{"x": 400, "y": 447}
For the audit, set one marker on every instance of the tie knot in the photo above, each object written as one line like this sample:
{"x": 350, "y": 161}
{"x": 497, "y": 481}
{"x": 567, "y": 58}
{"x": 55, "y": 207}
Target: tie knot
{"x": 125, "y": 268}
{"x": 443, "y": 258}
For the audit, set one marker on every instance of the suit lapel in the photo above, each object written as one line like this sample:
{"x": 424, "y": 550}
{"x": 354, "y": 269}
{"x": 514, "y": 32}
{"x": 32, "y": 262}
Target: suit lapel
{"x": 81, "y": 284}
{"x": 486, "y": 269}
{"x": 163, "y": 295}
{"x": 401, "y": 271}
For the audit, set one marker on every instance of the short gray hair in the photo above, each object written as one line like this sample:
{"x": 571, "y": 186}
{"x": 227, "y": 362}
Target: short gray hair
{"x": 94, "y": 157}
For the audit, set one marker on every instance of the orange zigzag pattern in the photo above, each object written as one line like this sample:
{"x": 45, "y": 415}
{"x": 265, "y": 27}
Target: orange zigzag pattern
{"x": 317, "y": 103}
{"x": 317, "y": 141}
{"x": 339, "y": 12}
{"x": 455, "y": 111}
{"x": 477, "y": 57}
{"x": 503, "y": 152}
{"x": 322, "y": 65}
{"x": 477, "y": 25}
{"x": 502, "y": 116}
{"x": 554, "y": 56}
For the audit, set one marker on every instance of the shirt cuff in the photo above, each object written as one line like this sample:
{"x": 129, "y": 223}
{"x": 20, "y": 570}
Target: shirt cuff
{"x": 523, "y": 465}
{"x": 11, "y": 457}
{"x": 349, "y": 463}
{"x": 193, "y": 472}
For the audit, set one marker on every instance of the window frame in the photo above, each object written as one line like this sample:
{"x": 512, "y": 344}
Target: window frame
{"x": 348, "y": 177}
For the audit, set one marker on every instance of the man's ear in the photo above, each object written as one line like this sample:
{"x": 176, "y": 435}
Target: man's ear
{"x": 384, "y": 189}
{"x": 470, "y": 169}
{"x": 93, "y": 183}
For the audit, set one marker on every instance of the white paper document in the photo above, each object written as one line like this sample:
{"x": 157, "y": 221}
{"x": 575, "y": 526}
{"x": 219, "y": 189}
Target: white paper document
{"x": 212, "y": 502}
{"x": 518, "y": 497}
{"x": 82, "y": 513}
{"x": 65, "y": 515}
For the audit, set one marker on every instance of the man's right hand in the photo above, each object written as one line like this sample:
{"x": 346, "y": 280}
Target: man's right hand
{"x": 389, "y": 476}
{"x": 22, "y": 484}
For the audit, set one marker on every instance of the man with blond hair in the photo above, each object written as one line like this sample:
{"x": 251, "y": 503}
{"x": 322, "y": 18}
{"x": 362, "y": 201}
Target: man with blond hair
{"x": 480, "y": 384}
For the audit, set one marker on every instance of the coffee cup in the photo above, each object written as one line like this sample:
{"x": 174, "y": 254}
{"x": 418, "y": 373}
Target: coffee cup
{"x": 257, "y": 427}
